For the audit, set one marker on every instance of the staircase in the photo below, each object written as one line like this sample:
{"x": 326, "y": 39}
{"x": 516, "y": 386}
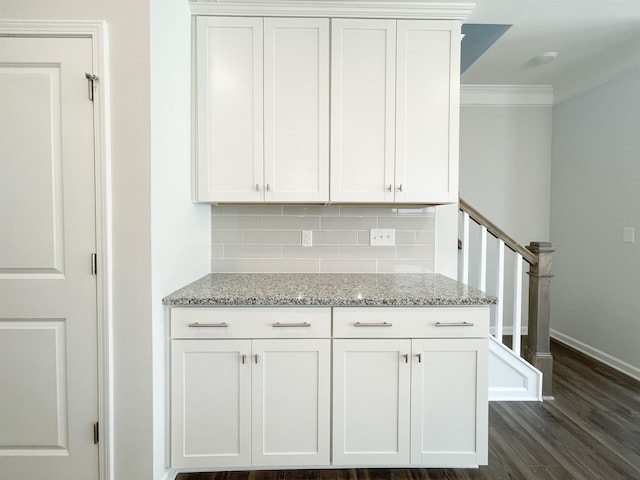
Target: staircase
{"x": 520, "y": 361}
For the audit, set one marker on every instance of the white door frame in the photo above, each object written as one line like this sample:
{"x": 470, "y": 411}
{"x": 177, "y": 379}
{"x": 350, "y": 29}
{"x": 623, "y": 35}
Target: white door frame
{"x": 97, "y": 32}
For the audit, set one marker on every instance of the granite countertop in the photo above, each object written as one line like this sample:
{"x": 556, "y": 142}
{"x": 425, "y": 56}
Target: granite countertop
{"x": 327, "y": 289}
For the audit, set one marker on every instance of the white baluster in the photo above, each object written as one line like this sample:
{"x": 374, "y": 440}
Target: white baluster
{"x": 483, "y": 258}
{"x": 517, "y": 305}
{"x": 500, "y": 292}
{"x": 465, "y": 248}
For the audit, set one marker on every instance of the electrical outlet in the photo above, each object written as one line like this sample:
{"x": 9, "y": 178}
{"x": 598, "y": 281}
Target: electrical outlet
{"x": 379, "y": 237}
{"x": 307, "y": 238}
{"x": 628, "y": 235}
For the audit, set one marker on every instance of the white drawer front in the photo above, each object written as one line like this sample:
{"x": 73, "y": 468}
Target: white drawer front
{"x": 250, "y": 322}
{"x": 411, "y": 322}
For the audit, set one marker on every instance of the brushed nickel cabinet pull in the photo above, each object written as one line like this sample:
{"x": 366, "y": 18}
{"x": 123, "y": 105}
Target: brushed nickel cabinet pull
{"x": 281, "y": 325}
{"x": 406, "y": 357}
{"x": 373, "y": 324}
{"x": 454, "y": 324}
{"x": 400, "y": 188}
{"x": 256, "y": 358}
{"x": 244, "y": 358}
{"x": 419, "y": 355}
{"x": 208, "y": 325}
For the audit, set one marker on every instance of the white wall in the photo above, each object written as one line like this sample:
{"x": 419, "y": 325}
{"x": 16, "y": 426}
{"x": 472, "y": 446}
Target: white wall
{"x": 128, "y": 26}
{"x": 505, "y": 165}
{"x": 181, "y": 234}
{"x": 595, "y": 193}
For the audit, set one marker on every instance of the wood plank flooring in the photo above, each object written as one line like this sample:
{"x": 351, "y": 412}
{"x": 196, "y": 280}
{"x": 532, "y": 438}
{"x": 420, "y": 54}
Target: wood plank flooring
{"x": 591, "y": 431}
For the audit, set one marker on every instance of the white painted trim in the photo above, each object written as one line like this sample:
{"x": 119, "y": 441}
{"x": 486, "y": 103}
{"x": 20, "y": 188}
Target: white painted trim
{"x": 335, "y": 8}
{"x": 611, "y": 361}
{"x": 506, "y": 95}
{"x": 97, "y": 31}
{"x": 531, "y": 376}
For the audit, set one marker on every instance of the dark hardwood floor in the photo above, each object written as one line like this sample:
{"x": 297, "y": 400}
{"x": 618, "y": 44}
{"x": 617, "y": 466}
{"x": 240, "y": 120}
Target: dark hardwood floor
{"x": 590, "y": 431}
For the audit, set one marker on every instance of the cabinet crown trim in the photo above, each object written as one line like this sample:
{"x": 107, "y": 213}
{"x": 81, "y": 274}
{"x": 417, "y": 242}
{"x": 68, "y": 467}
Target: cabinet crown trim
{"x": 335, "y": 8}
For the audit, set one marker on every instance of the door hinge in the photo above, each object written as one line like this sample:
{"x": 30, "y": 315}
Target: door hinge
{"x": 92, "y": 79}
{"x": 94, "y": 264}
{"x": 96, "y": 433}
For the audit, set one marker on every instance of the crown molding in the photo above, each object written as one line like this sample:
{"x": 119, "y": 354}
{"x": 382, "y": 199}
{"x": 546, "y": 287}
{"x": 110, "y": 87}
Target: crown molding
{"x": 335, "y": 8}
{"x": 506, "y": 95}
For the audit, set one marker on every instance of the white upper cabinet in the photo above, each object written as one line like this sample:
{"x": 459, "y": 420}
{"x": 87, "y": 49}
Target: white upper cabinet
{"x": 264, "y": 130}
{"x": 262, "y": 104}
{"x": 362, "y": 110}
{"x": 427, "y": 105}
{"x": 229, "y": 106}
{"x": 296, "y": 109}
{"x": 395, "y": 101}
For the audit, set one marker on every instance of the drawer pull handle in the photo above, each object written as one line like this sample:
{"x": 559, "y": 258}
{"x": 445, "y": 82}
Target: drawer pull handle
{"x": 209, "y": 325}
{"x": 302, "y": 324}
{"x": 454, "y": 324}
{"x": 373, "y": 324}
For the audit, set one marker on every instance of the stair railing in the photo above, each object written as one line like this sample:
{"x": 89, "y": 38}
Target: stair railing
{"x": 538, "y": 256}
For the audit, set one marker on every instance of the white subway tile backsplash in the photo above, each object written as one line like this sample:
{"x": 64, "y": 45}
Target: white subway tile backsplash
{"x": 267, "y": 238}
{"x": 405, "y": 266}
{"x": 261, "y": 210}
{"x": 252, "y": 251}
{"x": 291, "y": 222}
{"x": 291, "y": 265}
{"x": 424, "y": 252}
{"x": 226, "y": 236}
{"x": 365, "y": 251}
{"x": 348, "y": 223}
{"x": 235, "y": 222}
{"x": 335, "y": 237}
{"x": 280, "y": 237}
{"x": 315, "y": 251}
{"x": 407, "y": 223}
{"x": 426, "y": 237}
{"x": 347, "y": 266}
{"x": 236, "y": 265}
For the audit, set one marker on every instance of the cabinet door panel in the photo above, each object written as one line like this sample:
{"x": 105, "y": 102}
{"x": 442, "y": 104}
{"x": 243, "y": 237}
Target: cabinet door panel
{"x": 371, "y": 402}
{"x": 210, "y": 394}
{"x": 427, "y": 97}
{"x": 449, "y": 402}
{"x": 362, "y": 110}
{"x": 229, "y": 109}
{"x": 296, "y": 95}
{"x": 291, "y": 397}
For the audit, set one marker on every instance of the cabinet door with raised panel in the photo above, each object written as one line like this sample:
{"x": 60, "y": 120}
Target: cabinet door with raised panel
{"x": 427, "y": 104}
{"x": 296, "y": 109}
{"x": 371, "y": 402}
{"x": 449, "y": 402}
{"x": 291, "y": 394}
{"x": 210, "y": 403}
{"x": 362, "y": 110}
{"x": 229, "y": 110}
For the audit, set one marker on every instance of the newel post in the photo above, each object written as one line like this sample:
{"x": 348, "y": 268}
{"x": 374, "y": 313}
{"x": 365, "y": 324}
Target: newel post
{"x": 537, "y": 350}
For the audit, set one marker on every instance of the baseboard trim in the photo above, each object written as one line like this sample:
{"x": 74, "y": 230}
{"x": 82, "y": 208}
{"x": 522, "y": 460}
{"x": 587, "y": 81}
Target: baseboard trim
{"x": 596, "y": 354}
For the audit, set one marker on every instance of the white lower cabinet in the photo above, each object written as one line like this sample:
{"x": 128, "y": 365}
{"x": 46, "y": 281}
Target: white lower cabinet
{"x": 371, "y": 402}
{"x": 408, "y": 387}
{"x": 242, "y": 402}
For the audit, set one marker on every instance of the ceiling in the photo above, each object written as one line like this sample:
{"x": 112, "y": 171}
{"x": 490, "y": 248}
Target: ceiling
{"x": 596, "y": 40}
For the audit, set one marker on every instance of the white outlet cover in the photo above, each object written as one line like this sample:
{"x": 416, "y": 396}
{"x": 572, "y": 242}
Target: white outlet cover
{"x": 628, "y": 235}
{"x": 382, "y": 237}
{"x": 307, "y": 238}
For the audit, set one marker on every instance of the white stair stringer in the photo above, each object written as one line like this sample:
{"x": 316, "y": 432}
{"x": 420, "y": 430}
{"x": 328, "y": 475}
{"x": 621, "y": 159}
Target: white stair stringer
{"x": 510, "y": 376}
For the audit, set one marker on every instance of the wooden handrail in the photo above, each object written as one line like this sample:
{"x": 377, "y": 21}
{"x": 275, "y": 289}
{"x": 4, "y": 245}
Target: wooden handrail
{"x": 497, "y": 232}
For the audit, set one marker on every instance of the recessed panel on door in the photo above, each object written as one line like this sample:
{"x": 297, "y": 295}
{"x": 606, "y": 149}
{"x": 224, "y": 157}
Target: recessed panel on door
{"x": 33, "y": 387}
{"x": 362, "y": 110}
{"x": 31, "y": 215}
{"x": 296, "y": 96}
{"x": 426, "y": 94}
{"x": 229, "y": 109}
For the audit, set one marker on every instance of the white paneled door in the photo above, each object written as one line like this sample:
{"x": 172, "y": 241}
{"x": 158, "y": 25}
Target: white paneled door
{"x": 48, "y": 323}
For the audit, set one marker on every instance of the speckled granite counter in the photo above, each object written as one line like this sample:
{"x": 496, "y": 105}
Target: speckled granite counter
{"x": 328, "y": 289}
